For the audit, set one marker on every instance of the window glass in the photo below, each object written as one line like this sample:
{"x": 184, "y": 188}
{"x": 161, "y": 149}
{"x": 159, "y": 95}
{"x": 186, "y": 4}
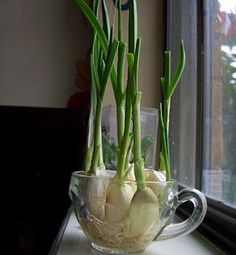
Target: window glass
{"x": 182, "y": 24}
{"x": 219, "y": 130}
{"x": 213, "y": 58}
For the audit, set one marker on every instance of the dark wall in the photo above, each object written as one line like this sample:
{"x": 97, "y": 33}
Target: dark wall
{"x": 39, "y": 148}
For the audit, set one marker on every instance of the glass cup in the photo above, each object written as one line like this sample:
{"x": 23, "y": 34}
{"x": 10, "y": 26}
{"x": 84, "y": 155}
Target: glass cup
{"x": 149, "y": 127}
{"x": 118, "y": 218}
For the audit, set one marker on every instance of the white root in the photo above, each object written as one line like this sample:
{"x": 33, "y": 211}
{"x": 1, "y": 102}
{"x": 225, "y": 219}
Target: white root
{"x": 96, "y": 197}
{"x": 115, "y": 234}
{"x": 121, "y": 215}
{"x": 95, "y": 193}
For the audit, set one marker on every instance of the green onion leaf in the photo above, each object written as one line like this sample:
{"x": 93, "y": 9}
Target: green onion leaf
{"x": 120, "y": 22}
{"x": 178, "y": 71}
{"x": 120, "y": 69}
{"x": 105, "y": 18}
{"x": 109, "y": 64}
{"x": 167, "y": 70}
{"x": 133, "y": 27}
{"x": 136, "y": 63}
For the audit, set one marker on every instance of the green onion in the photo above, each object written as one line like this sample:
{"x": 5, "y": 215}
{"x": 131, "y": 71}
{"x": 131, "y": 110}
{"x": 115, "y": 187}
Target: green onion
{"x": 168, "y": 87}
{"x": 125, "y": 201}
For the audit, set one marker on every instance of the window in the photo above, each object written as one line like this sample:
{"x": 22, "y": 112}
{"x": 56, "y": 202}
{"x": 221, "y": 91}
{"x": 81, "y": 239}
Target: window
{"x": 184, "y": 102}
{"x": 203, "y": 113}
{"x": 219, "y": 147}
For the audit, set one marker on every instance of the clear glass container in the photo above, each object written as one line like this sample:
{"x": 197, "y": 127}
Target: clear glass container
{"x": 118, "y": 218}
{"x": 149, "y": 127}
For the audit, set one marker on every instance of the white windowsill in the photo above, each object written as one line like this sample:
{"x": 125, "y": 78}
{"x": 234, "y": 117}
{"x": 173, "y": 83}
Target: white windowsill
{"x": 74, "y": 242}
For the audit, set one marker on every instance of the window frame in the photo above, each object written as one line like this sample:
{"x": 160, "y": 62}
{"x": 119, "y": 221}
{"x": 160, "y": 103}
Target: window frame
{"x": 219, "y": 225}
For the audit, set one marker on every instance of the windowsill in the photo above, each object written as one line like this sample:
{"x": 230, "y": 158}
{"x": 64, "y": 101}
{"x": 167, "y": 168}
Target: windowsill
{"x": 71, "y": 241}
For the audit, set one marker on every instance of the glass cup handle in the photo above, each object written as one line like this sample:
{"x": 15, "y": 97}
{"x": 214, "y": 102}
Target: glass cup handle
{"x": 190, "y": 224}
